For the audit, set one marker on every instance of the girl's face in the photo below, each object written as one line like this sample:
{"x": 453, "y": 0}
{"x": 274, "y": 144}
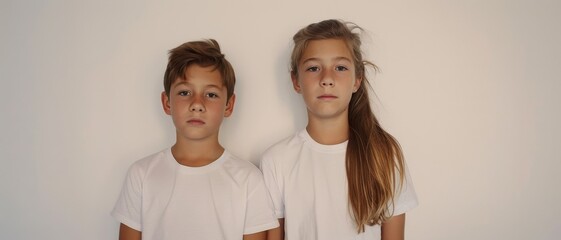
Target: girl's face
{"x": 326, "y": 78}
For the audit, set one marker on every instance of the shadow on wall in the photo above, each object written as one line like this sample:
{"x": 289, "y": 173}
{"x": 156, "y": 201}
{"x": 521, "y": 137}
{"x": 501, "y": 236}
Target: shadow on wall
{"x": 285, "y": 91}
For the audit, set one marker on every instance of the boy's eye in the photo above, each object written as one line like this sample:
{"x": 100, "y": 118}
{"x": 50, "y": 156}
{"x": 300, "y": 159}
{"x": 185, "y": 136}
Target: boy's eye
{"x": 212, "y": 95}
{"x": 341, "y": 68}
{"x": 312, "y": 69}
{"x": 185, "y": 93}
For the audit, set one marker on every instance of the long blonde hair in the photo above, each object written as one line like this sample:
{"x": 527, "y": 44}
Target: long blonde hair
{"x": 374, "y": 159}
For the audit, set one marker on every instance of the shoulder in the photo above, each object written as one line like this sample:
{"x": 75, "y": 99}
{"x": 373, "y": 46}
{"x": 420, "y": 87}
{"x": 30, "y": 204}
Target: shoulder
{"x": 283, "y": 155}
{"x": 235, "y": 165}
{"x": 240, "y": 171}
{"x": 147, "y": 164}
{"x": 281, "y": 148}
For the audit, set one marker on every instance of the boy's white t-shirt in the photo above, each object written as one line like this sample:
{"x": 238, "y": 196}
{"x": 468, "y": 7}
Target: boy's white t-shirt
{"x": 222, "y": 200}
{"x": 308, "y": 184}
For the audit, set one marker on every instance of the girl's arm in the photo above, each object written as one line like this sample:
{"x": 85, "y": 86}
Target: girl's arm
{"x": 256, "y": 236}
{"x": 277, "y": 233}
{"x": 127, "y": 233}
{"x": 394, "y": 228}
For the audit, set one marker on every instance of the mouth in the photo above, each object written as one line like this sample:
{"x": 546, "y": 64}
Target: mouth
{"x": 327, "y": 97}
{"x": 196, "y": 121}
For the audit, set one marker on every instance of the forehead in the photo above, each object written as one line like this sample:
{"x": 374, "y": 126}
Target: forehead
{"x": 326, "y": 49}
{"x": 196, "y": 74}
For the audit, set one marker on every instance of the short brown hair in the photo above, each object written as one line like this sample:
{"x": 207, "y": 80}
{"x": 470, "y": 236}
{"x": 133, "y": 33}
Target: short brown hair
{"x": 204, "y": 53}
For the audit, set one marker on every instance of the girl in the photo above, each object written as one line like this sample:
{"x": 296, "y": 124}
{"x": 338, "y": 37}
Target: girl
{"x": 343, "y": 177}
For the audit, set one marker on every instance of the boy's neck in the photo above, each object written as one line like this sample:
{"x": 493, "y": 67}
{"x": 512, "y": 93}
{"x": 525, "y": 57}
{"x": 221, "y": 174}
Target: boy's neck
{"x": 328, "y": 131}
{"x": 196, "y": 154}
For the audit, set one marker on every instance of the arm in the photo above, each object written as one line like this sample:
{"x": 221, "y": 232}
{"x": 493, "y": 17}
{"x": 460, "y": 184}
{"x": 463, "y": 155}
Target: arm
{"x": 277, "y": 233}
{"x": 394, "y": 228}
{"x": 256, "y": 236}
{"x": 127, "y": 233}
{"x": 128, "y": 207}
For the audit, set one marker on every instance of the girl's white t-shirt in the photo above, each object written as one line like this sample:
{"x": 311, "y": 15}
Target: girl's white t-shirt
{"x": 308, "y": 184}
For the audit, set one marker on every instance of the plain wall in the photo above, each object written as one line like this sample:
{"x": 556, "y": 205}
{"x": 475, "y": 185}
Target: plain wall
{"x": 471, "y": 89}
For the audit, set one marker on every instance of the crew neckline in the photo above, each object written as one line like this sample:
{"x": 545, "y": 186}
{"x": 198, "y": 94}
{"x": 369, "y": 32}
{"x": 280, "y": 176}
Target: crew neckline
{"x": 339, "y": 147}
{"x": 196, "y": 170}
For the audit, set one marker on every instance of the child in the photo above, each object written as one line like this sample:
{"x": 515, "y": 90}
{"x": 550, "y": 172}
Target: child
{"x": 196, "y": 189}
{"x": 343, "y": 177}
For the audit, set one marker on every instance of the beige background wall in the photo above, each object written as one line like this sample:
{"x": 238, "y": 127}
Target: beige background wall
{"x": 470, "y": 88}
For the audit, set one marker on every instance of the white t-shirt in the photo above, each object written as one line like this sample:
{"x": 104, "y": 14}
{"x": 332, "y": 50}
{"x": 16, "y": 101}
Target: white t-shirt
{"x": 308, "y": 184}
{"x": 222, "y": 200}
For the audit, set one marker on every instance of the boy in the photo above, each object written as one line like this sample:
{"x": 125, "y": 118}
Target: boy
{"x": 196, "y": 189}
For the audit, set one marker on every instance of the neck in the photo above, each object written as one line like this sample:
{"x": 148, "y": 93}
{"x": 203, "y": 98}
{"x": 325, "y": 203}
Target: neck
{"x": 329, "y": 131}
{"x": 195, "y": 153}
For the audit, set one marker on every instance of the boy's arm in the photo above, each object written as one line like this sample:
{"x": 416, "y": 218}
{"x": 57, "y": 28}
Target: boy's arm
{"x": 277, "y": 233}
{"x": 127, "y": 233}
{"x": 394, "y": 228}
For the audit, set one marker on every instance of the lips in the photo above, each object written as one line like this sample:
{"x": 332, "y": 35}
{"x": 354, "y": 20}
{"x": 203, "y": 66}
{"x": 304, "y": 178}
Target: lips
{"x": 196, "y": 121}
{"x": 327, "y": 97}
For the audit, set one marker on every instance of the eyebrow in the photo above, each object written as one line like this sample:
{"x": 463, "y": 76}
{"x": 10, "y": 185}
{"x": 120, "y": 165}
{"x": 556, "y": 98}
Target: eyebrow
{"x": 333, "y": 59}
{"x": 184, "y": 82}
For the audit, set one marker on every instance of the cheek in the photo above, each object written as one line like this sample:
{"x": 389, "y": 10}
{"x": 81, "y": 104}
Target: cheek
{"x": 216, "y": 106}
{"x": 174, "y": 104}
{"x": 308, "y": 83}
{"x": 307, "y": 92}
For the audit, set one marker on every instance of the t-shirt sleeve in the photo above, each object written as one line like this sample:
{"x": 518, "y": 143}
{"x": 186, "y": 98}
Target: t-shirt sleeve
{"x": 127, "y": 210}
{"x": 406, "y": 197}
{"x": 273, "y": 184}
{"x": 259, "y": 209}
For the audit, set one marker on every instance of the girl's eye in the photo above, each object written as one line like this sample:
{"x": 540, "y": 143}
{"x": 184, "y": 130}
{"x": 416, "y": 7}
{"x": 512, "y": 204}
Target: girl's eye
{"x": 312, "y": 69}
{"x": 212, "y": 95}
{"x": 185, "y": 93}
{"x": 341, "y": 68}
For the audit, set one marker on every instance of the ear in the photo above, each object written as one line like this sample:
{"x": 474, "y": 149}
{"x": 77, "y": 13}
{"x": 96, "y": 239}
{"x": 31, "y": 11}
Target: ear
{"x": 295, "y": 83}
{"x": 230, "y": 106}
{"x": 356, "y": 86}
{"x": 165, "y": 103}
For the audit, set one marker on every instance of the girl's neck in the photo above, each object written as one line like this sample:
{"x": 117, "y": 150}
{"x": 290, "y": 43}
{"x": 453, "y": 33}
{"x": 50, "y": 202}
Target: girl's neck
{"x": 328, "y": 131}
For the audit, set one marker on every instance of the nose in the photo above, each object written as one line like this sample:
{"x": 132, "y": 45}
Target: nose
{"x": 197, "y": 105}
{"x": 327, "y": 79}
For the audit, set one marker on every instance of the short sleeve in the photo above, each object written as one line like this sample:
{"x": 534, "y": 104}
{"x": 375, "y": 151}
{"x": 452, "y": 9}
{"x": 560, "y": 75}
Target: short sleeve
{"x": 406, "y": 197}
{"x": 127, "y": 210}
{"x": 273, "y": 184}
{"x": 259, "y": 209}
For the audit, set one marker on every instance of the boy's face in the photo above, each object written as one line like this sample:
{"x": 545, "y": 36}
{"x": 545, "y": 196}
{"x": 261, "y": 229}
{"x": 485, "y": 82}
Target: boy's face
{"x": 198, "y": 104}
